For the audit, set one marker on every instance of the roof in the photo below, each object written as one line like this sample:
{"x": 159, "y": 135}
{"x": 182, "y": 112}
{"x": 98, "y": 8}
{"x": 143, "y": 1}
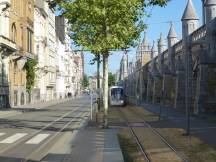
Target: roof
{"x": 161, "y": 40}
{"x": 190, "y": 12}
{"x": 145, "y": 40}
{"x": 172, "y": 33}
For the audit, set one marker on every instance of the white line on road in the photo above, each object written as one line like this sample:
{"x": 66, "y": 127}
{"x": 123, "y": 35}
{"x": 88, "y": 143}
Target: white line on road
{"x": 2, "y": 134}
{"x": 38, "y": 139}
{"x": 14, "y": 138}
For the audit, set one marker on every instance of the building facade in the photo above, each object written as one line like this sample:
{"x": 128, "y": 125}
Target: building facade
{"x": 30, "y": 32}
{"x": 41, "y": 49}
{"x": 7, "y": 48}
{"x": 21, "y": 31}
{"x": 51, "y": 62}
{"x": 183, "y": 75}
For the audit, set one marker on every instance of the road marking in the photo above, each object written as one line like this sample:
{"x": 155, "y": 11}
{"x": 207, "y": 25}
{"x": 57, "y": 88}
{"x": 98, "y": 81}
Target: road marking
{"x": 14, "y": 138}
{"x": 38, "y": 139}
{"x": 2, "y": 134}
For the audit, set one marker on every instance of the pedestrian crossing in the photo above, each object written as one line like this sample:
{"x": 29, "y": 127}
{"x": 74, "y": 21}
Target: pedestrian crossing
{"x": 37, "y": 139}
{"x": 13, "y": 138}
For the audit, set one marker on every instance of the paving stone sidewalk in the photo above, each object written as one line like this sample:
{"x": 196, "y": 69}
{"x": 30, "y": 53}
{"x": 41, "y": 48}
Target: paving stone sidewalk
{"x": 199, "y": 127}
{"x": 8, "y": 113}
{"x": 95, "y": 145}
{"x": 41, "y": 105}
{"x": 17, "y": 110}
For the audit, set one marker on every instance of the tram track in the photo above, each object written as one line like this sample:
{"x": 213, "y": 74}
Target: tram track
{"x": 139, "y": 144}
{"x": 47, "y": 127}
{"x": 35, "y": 153}
{"x": 133, "y": 131}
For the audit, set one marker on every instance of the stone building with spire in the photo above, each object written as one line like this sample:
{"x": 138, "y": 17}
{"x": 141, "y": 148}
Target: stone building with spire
{"x": 183, "y": 76}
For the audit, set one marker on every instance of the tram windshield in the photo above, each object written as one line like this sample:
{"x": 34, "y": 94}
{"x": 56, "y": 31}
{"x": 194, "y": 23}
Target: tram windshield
{"x": 117, "y": 94}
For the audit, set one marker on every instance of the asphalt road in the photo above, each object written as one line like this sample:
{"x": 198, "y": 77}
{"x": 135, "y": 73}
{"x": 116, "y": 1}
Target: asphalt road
{"x": 43, "y": 135}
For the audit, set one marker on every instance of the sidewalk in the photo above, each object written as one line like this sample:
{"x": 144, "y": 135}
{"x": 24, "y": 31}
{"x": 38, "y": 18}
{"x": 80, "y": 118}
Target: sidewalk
{"x": 17, "y": 110}
{"x": 41, "y": 105}
{"x": 8, "y": 113}
{"x": 199, "y": 127}
{"x": 95, "y": 145}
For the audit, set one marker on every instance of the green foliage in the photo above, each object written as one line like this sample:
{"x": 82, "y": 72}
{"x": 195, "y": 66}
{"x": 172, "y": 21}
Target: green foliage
{"x": 30, "y": 73}
{"x": 111, "y": 79}
{"x": 85, "y": 81}
{"x": 103, "y": 25}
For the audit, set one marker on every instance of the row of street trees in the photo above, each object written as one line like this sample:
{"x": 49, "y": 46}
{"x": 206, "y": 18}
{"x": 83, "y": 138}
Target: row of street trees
{"x": 102, "y": 26}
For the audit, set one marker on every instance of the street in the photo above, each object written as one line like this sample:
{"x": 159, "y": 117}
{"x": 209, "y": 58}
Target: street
{"x": 44, "y": 134}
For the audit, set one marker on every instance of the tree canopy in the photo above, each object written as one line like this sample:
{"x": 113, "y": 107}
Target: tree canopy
{"x": 111, "y": 79}
{"x": 100, "y": 25}
{"x": 85, "y": 81}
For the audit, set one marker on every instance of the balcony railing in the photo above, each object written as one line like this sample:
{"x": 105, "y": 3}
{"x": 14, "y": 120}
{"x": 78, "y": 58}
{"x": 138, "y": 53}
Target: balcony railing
{"x": 6, "y": 42}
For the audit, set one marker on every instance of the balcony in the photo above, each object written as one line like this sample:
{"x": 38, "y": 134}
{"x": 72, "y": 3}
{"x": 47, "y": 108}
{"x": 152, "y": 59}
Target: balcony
{"x": 7, "y": 43}
{"x": 52, "y": 83}
{"x": 30, "y": 55}
{"x": 41, "y": 4}
{"x": 50, "y": 68}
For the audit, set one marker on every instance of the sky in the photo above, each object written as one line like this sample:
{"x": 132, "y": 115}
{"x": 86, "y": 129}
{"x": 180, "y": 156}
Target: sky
{"x": 157, "y": 23}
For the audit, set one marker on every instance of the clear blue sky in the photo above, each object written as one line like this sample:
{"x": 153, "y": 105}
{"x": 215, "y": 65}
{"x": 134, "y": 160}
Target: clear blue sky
{"x": 156, "y": 24}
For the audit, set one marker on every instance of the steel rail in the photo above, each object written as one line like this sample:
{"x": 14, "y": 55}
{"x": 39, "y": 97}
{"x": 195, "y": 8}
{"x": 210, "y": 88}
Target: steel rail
{"x": 11, "y": 147}
{"x": 33, "y": 153}
{"x": 141, "y": 148}
{"x": 161, "y": 137}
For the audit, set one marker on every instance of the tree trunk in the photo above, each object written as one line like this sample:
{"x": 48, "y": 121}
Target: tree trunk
{"x": 105, "y": 89}
{"x": 98, "y": 81}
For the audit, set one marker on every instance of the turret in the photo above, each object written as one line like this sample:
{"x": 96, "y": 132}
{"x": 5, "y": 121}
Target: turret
{"x": 161, "y": 45}
{"x": 125, "y": 65}
{"x": 203, "y": 12}
{"x": 172, "y": 36}
{"x": 145, "y": 43}
{"x": 172, "y": 39}
{"x": 161, "y": 48}
{"x": 145, "y": 51}
{"x": 153, "y": 51}
{"x": 210, "y": 10}
{"x": 190, "y": 21}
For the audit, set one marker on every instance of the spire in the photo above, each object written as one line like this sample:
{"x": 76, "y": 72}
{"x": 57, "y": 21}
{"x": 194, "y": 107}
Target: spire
{"x": 161, "y": 47}
{"x": 153, "y": 50}
{"x": 190, "y": 12}
{"x": 172, "y": 33}
{"x": 145, "y": 42}
{"x": 161, "y": 40}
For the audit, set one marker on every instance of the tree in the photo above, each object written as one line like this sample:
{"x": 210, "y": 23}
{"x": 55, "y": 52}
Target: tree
{"x": 98, "y": 60}
{"x": 102, "y": 26}
{"x": 85, "y": 81}
{"x": 111, "y": 79}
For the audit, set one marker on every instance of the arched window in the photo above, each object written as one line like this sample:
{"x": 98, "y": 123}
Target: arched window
{"x": 14, "y": 32}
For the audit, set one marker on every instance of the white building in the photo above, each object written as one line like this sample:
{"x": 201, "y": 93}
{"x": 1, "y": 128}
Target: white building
{"x": 7, "y": 47}
{"x": 41, "y": 46}
{"x": 51, "y": 62}
{"x": 61, "y": 70}
{"x": 46, "y": 50}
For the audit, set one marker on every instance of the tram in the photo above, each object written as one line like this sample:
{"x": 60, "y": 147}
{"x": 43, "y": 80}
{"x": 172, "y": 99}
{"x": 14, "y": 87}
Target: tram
{"x": 116, "y": 96}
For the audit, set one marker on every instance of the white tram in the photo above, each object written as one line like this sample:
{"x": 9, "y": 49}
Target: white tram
{"x": 116, "y": 96}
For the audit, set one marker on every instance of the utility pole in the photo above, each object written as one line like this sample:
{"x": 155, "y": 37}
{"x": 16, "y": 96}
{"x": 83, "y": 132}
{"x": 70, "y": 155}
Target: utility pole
{"x": 188, "y": 89}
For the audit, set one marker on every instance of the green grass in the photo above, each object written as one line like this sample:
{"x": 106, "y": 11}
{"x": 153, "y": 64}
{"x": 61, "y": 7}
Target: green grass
{"x": 129, "y": 148}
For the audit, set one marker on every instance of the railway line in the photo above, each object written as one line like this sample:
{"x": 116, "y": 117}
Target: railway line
{"x": 169, "y": 152}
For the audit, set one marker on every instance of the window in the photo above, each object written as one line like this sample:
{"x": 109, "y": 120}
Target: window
{"x": 29, "y": 40}
{"x": 29, "y": 6}
{"x": 13, "y": 29}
